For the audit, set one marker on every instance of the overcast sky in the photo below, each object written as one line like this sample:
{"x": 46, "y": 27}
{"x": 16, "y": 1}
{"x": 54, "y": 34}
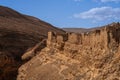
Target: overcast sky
{"x": 69, "y": 13}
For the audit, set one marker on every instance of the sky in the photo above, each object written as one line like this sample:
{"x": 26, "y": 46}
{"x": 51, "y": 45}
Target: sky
{"x": 69, "y": 13}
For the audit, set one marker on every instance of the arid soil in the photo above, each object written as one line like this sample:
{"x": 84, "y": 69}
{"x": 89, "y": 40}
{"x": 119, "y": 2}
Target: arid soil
{"x": 93, "y": 55}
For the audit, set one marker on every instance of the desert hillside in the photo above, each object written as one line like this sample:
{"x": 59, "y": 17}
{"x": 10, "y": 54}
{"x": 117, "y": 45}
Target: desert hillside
{"x": 77, "y": 30}
{"x": 81, "y": 30}
{"x": 93, "y": 55}
{"x": 18, "y": 33}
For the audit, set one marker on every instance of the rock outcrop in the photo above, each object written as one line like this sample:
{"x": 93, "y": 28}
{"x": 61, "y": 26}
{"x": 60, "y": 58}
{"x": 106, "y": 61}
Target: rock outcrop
{"x": 92, "y": 55}
{"x": 18, "y": 33}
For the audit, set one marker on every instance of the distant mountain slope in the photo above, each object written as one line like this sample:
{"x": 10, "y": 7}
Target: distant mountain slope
{"x": 18, "y": 33}
{"x": 80, "y": 30}
{"x": 76, "y": 30}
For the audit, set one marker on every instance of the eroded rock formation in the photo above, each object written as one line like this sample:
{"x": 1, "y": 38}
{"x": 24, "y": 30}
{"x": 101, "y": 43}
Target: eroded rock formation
{"x": 93, "y": 55}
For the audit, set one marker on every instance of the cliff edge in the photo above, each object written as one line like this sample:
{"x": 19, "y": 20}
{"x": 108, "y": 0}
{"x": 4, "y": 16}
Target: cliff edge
{"x": 92, "y": 55}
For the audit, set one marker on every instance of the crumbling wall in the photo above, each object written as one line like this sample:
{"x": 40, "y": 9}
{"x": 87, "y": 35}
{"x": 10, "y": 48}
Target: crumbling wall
{"x": 98, "y": 41}
{"x": 103, "y": 38}
{"x": 87, "y": 56}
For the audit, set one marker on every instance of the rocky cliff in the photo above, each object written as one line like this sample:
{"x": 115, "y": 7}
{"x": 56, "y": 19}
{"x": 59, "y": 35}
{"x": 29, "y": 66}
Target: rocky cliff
{"x": 92, "y": 55}
{"x": 18, "y": 33}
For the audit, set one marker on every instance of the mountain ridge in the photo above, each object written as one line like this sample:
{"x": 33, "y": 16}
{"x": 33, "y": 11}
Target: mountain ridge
{"x": 18, "y": 33}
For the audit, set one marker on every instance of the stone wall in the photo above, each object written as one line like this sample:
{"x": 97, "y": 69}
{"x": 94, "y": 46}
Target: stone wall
{"x": 106, "y": 37}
